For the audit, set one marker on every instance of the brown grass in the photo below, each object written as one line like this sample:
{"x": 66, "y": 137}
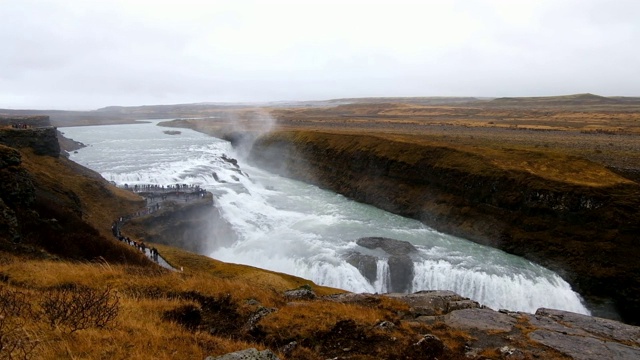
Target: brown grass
{"x": 302, "y": 320}
{"x": 145, "y": 295}
{"x": 101, "y": 203}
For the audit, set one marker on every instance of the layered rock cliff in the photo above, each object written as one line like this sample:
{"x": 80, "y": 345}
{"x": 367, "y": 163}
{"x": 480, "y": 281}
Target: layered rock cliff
{"x": 43, "y": 141}
{"x": 589, "y": 234}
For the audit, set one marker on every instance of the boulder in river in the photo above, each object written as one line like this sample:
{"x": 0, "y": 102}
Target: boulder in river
{"x": 401, "y": 269}
{"x": 390, "y": 246}
{"x": 366, "y": 264}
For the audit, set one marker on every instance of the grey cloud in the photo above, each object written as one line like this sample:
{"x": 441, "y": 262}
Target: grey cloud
{"x": 76, "y": 54}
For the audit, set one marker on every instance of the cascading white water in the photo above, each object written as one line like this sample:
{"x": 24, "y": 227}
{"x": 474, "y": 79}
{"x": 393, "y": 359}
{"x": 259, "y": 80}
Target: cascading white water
{"x": 296, "y": 228}
{"x": 383, "y": 278}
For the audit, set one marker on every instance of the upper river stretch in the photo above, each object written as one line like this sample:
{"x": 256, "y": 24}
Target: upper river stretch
{"x": 300, "y": 229}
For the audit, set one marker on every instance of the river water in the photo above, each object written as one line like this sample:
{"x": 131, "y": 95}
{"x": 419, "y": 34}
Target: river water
{"x": 299, "y": 229}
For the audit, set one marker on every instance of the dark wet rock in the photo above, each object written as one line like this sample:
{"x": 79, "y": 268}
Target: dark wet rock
{"x": 242, "y": 173}
{"x": 231, "y": 161}
{"x": 68, "y": 145}
{"x": 390, "y": 246}
{"x": 248, "y": 354}
{"x": 216, "y": 178}
{"x": 401, "y": 268}
{"x": 434, "y": 302}
{"x": 302, "y": 293}
{"x": 400, "y": 273}
{"x": 366, "y": 264}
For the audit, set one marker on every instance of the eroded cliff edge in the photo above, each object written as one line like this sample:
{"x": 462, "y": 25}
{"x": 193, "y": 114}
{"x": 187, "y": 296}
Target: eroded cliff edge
{"x": 587, "y": 230}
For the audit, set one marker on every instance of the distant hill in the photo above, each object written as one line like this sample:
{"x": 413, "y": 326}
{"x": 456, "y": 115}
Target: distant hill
{"x": 127, "y": 114}
{"x": 566, "y": 100}
{"x": 430, "y": 100}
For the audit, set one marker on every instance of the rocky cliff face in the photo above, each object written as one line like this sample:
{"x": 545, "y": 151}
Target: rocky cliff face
{"x": 196, "y": 226}
{"x": 47, "y": 208}
{"x": 588, "y": 234}
{"x": 43, "y": 141}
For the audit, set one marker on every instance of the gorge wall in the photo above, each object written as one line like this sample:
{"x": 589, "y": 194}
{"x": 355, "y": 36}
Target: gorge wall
{"x": 196, "y": 226}
{"x": 589, "y": 235}
{"x": 43, "y": 141}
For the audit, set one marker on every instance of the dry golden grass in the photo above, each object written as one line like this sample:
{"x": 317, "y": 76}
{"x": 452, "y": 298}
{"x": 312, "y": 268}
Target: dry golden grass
{"x": 303, "y": 319}
{"x": 249, "y": 276}
{"x": 146, "y": 294}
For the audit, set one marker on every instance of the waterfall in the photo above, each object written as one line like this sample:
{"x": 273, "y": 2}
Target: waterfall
{"x": 299, "y": 229}
{"x": 383, "y": 278}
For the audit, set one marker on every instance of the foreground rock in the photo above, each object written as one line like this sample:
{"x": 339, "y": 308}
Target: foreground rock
{"x": 515, "y": 335}
{"x": 248, "y": 354}
{"x": 585, "y": 337}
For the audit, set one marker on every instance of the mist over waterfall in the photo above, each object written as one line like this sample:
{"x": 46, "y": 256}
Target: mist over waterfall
{"x": 292, "y": 227}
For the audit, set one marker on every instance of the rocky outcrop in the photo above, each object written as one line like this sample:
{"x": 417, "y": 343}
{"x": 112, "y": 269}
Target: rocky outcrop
{"x": 302, "y": 293}
{"x": 552, "y": 223}
{"x": 516, "y": 335}
{"x": 584, "y": 337}
{"x": 248, "y": 354}
{"x": 17, "y": 193}
{"x": 68, "y": 145}
{"x": 390, "y": 246}
{"x": 43, "y": 204}
{"x": 397, "y": 257}
{"x": 431, "y": 303}
{"x": 367, "y": 265}
{"x": 43, "y": 141}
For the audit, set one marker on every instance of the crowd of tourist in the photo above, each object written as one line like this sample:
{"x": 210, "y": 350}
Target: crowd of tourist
{"x": 151, "y": 252}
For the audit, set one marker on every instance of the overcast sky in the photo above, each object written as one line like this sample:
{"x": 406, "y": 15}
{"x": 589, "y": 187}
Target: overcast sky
{"x": 88, "y": 54}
